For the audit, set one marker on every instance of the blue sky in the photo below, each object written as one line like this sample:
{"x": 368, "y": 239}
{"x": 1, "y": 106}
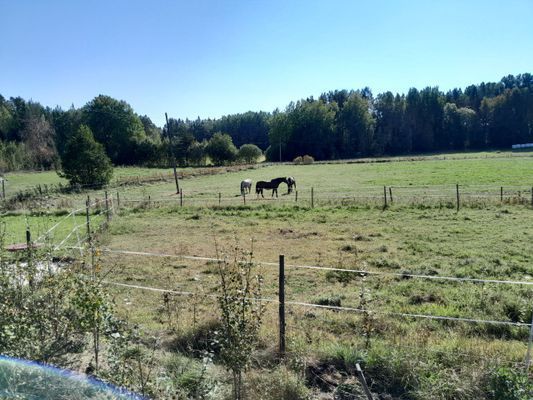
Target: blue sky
{"x": 211, "y": 58}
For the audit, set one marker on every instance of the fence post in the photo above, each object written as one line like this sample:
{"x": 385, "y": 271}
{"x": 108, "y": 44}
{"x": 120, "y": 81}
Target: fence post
{"x": 118, "y": 201}
{"x": 312, "y": 197}
{"x": 181, "y": 198}
{"x": 219, "y": 197}
{"x": 88, "y": 219}
{"x": 501, "y": 194}
{"x": 390, "y": 194}
{"x": 296, "y": 196}
{"x": 532, "y": 196}
{"x": 281, "y": 297}
{"x": 244, "y": 198}
{"x": 529, "y": 345}
{"x": 457, "y": 192}
{"x": 108, "y": 217}
{"x": 384, "y": 197}
{"x": 363, "y": 381}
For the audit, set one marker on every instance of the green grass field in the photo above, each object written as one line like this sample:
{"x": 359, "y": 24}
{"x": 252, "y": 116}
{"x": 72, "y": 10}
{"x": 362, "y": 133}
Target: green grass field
{"x": 406, "y": 357}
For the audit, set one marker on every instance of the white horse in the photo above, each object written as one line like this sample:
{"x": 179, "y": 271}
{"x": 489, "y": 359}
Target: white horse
{"x": 246, "y": 184}
{"x": 291, "y": 182}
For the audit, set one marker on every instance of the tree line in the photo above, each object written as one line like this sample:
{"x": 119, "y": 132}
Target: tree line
{"x": 338, "y": 124}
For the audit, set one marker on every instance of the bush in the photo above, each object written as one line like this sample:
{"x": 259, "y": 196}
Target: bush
{"x": 308, "y": 159}
{"x": 510, "y": 384}
{"x": 249, "y": 153}
{"x": 84, "y": 160}
{"x": 221, "y": 149}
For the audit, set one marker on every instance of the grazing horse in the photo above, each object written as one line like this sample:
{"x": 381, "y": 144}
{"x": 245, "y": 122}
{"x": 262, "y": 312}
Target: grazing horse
{"x": 290, "y": 183}
{"x": 272, "y": 185}
{"x": 246, "y": 184}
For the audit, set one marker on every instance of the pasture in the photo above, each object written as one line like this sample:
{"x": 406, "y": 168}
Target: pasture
{"x": 403, "y": 246}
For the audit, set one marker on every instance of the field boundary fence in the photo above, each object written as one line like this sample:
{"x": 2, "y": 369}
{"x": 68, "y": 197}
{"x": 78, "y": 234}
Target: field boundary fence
{"x": 282, "y": 303}
{"x": 107, "y": 207}
{"x": 455, "y": 196}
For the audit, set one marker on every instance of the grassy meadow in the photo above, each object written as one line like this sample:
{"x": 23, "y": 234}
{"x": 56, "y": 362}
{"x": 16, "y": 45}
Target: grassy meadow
{"x": 403, "y": 357}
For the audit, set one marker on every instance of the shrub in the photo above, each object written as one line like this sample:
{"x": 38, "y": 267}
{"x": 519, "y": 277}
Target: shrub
{"x": 249, "y": 153}
{"x": 307, "y": 159}
{"x": 221, "y": 149}
{"x": 510, "y": 384}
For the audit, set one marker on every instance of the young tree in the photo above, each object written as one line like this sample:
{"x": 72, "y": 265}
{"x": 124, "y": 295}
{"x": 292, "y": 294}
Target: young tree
{"x": 221, "y": 149}
{"x": 84, "y": 161}
{"x": 241, "y": 314}
{"x": 249, "y": 153}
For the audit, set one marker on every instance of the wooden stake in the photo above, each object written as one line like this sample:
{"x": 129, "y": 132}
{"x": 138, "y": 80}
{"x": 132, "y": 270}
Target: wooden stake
{"x": 219, "y": 198}
{"x": 108, "y": 217}
{"x": 312, "y": 198}
{"x": 390, "y": 194}
{"x": 118, "y": 201}
{"x": 181, "y": 198}
{"x": 244, "y": 198}
{"x": 529, "y": 345}
{"x": 281, "y": 298}
{"x": 296, "y": 196}
{"x": 88, "y": 219}
{"x": 384, "y": 197}
{"x": 173, "y": 157}
{"x": 501, "y": 194}
{"x": 363, "y": 381}
{"x": 457, "y": 192}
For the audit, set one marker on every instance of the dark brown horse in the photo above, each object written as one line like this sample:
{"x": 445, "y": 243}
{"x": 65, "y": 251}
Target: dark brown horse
{"x": 272, "y": 185}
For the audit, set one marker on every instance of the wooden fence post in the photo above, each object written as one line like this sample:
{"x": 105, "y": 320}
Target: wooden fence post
{"x": 219, "y": 198}
{"x": 312, "y": 197}
{"x": 390, "y": 194}
{"x": 244, "y": 198}
{"x": 118, "y": 201}
{"x": 88, "y": 218}
{"x": 296, "y": 196}
{"x": 529, "y": 345}
{"x": 457, "y": 192}
{"x": 384, "y": 197}
{"x": 501, "y": 194}
{"x": 181, "y": 198}
{"x": 108, "y": 217}
{"x": 281, "y": 297}
{"x": 363, "y": 381}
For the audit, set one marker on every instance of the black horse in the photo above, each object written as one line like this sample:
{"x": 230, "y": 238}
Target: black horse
{"x": 272, "y": 185}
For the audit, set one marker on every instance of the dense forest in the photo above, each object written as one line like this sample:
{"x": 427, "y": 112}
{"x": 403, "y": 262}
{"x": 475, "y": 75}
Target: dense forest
{"x": 339, "y": 124}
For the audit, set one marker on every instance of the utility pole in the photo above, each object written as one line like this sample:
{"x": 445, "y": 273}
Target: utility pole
{"x": 173, "y": 157}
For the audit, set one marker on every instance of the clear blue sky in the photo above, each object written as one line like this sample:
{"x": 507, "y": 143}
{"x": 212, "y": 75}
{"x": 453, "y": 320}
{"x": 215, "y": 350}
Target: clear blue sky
{"x": 211, "y": 58}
